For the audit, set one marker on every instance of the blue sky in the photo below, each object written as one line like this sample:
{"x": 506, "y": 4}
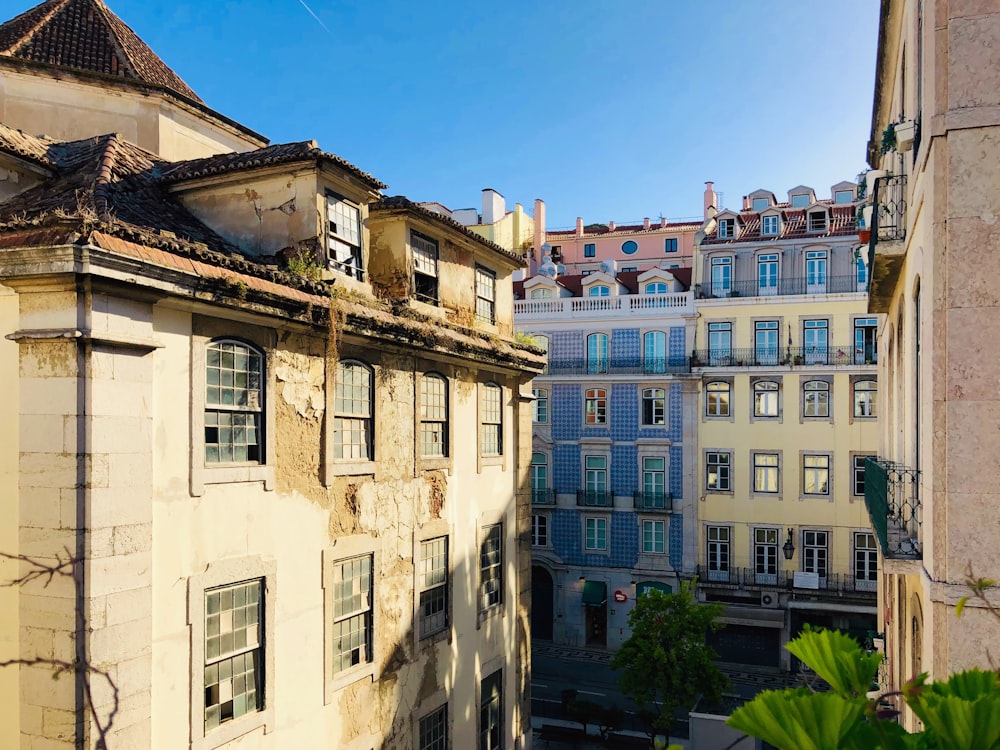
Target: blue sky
{"x": 610, "y": 111}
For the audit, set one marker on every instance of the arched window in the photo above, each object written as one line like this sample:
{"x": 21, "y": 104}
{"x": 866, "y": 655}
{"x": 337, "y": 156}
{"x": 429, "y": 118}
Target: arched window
{"x": 541, "y": 293}
{"x": 597, "y": 352}
{"x": 354, "y": 411}
{"x": 865, "y": 398}
{"x": 656, "y": 287}
{"x": 491, "y": 420}
{"x": 765, "y": 398}
{"x": 433, "y": 416}
{"x": 816, "y": 399}
{"x": 717, "y": 398}
{"x": 601, "y": 290}
{"x": 234, "y": 403}
{"x": 654, "y": 351}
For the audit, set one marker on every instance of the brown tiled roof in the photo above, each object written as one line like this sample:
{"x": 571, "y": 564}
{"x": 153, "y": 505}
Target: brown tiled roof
{"x": 842, "y": 223}
{"x": 40, "y": 150}
{"x": 676, "y": 226}
{"x": 399, "y": 202}
{"x": 279, "y": 153}
{"x": 86, "y": 35}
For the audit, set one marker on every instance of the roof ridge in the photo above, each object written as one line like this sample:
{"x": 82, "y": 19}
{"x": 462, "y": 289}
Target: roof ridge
{"x": 109, "y": 22}
{"x": 105, "y": 172}
{"x": 57, "y": 6}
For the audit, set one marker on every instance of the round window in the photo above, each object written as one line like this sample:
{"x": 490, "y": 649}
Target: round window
{"x": 629, "y": 247}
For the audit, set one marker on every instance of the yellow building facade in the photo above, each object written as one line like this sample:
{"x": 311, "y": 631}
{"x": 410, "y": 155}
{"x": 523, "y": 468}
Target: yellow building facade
{"x": 785, "y": 348}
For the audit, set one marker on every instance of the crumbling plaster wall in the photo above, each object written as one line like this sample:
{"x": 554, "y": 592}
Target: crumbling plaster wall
{"x": 9, "y": 701}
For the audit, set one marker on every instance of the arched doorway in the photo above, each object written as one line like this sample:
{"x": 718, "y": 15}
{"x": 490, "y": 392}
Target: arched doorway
{"x": 541, "y": 603}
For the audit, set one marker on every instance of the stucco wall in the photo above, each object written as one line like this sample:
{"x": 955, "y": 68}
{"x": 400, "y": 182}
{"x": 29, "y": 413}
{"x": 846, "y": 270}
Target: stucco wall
{"x": 9, "y": 703}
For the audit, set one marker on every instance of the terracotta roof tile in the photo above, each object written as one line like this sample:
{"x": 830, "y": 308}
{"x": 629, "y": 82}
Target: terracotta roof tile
{"x": 86, "y": 35}
{"x": 841, "y": 223}
{"x": 279, "y": 153}
{"x": 676, "y": 226}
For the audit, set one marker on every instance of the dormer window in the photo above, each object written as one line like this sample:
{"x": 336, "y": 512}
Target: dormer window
{"x": 817, "y": 221}
{"x": 727, "y": 228}
{"x": 425, "y": 268}
{"x": 769, "y": 225}
{"x": 801, "y": 201}
{"x": 344, "y": 236}
{"x": 599, "y": 291}
{"x": 759, "y": 204}
{"x": 842, "y": 197}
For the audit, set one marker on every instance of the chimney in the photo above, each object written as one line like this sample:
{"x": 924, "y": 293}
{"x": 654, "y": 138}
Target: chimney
{"x": 663, "y": 222}
{"x": 494, "y": 206}
{"x": 711, "y": 199}
{"x": 746, "y": 202}
{"x": 645, "y": 223}
{"x": 579, "y": 226}
{"x": 539, "y": 220}
{"x": 611, "y": 226}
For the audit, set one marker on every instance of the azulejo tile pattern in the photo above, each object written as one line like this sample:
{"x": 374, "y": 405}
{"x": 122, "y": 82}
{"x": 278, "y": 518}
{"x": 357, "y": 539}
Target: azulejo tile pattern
{"x": 625, "y": 345}
{"x": 566, "y": 469}
{"x": 566, "y": 345}
{"x": 624, "y": 469}
{"x": 677, "y": 346}
{"x": 675, "y": 540}
{"x": 676, "y": 471}
{"x": 567, "y": 411}
{"x": 623, "y": 540}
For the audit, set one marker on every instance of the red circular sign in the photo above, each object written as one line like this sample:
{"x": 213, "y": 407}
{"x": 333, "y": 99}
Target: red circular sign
{"x": 620, "y": 596}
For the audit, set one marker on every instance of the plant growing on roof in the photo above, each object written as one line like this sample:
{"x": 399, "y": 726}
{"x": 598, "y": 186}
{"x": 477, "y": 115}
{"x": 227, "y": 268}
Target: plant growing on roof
{"x": 888, "y": 139}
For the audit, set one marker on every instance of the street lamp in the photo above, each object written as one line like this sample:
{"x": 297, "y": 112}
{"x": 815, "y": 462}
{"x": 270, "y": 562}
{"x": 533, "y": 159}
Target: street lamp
{"x": 788, "y": 547}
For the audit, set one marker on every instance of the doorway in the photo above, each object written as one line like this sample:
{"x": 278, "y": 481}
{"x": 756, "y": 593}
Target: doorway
{"x": 541, "y": 603}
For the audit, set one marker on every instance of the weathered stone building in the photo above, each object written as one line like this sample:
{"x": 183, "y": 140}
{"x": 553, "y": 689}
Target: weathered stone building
{"x": 277, "y": 422}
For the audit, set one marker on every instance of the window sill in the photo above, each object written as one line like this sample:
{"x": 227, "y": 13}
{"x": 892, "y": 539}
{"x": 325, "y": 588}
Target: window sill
{"x": 828, "y": 497}
{"x": 709, "y": 491}
{"x": 350, "y": 468}
{"x": 347, "y": 678}
{"x": 495, "y": 610}
{"x": 230, "y": 474}
{"x": 491, "y": 460}
{"x": 235, "y": 729}
{"x": 432, "y": 463}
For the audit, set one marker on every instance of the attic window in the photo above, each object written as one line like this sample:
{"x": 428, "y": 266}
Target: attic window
{"x": 769, "y": 225}
{"x": 817, "y": 221}
{"x": 759, "y": 204}
{"x": 843, "y": 196}
{"x": 800, "y": 201}
{"x": 425, "y": 268}
{"x": 344, "y": 236}
{"x": 727, "y": 228}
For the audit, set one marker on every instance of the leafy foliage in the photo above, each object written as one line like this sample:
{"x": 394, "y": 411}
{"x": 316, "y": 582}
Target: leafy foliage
{"x": 666, "y": 663}
{"x": 962, "y": 713}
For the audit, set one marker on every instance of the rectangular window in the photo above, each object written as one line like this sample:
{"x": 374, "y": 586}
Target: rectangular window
{"x": 865, "y": 561}
{"x": 727, "y": 228}
{"x": 670, "y": 245}
{"x": 801, "y": 201}
{"x": 767, "y": 274}
{"x": 629, "y": 269}
{"x": 491, "y": 416}
{"x": 765, "y": 398}
{"x": 491, "y": 567}
{"x": 842, "y": 197}
{"x": 434, "y": 730}
{"x": 234, "y": 374}
{"x": 765, "y": 472}
{"x": 433, "y": 416}
{"x": 425, "y": 268}
{"x": 433, "y": 586}
{"x": 717, "y": 399}
{"x": 597, "y": 406}
{"x": 865, "y": 338}
{"x": 859, "y": 475}
{"x": 815, "y": 340}
{"x": 352, "y": 612}
{"x": 352, "y": 408}
{"x": 720, "y": 343}
{"x": 654, "y": 407}
{"x": 653, "y": 537}
{"x": 539, "y": 530}
{"x": 722, "y": 276}
{"x": 597, "y": 353}
{"x": 491, "y": 720}
{"x": 769, "y": 224}
{"x": 344, "y": 236}
{"x": 233, "y": 652}
{"x": 814, "y": 552}
{"x": 766, "y": 350}
{"x": 596, "y": 474}
{"x": 717, "y": 465}
{"x": 816, "y": 398}
{"x": 718, "y": 553}
{"x": 815, "y": 475}
{"x": 759, "y": 204}
{"x": 816, "y": 272}
{"x": 486, "y": 294}
{"x": 865, "y": 398}
{"x": 539, "y": 478}
{"x": 654, "y": 480}
{"x": 817, "y": 221}
{"x": 765, "y": 553}
{"x": 540, "y": 406}
{"x": 589, "y": 250}
{"x": 596, "y": 534}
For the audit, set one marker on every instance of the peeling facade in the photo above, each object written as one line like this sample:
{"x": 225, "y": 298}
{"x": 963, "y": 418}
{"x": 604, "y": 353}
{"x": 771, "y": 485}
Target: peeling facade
{"x": 296, "y": 494}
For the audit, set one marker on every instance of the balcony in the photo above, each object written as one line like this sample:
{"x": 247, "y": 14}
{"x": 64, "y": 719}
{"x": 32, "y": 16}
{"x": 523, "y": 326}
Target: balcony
{"x": 594, "y": 499}
{"x": 620, "y": 306}
{"x": 619, "y": 366}
{"x": 543, "y": 497}
{"x": 653, "y": 502}
{"x": 780, "y": 287}
{"x": 887, "y": 246}
{"x": 795, "y": 356}
{"x": 747, "y": 578}
{"x": 892, "y": 496}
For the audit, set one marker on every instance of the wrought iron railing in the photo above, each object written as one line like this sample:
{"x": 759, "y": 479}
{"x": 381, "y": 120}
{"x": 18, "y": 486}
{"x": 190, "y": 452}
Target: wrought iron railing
{"x": 543, "y": 496}
{"x": 749, "y": 578}
{"x": 768, "y": 356}
{"x": 892, "y": 496}
{"x": 888, "y": 212}
{"x": 820, "y": 284}
{"x": 594, "y": 498}
{"x": 620, "y": 366}
{"x": 653, "y": 502}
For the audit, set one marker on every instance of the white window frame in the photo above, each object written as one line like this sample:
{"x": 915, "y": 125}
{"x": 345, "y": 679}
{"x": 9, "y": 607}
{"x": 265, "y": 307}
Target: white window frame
{"x": 865, "y": 399}
{"x": 722, "y": 461}
{"x": 434, "y": 730}
{"x": 595, "y": 407}
{"x": 816, "y": 553}
{"x": 657, "y": 545}
{"x": 772, "y": 220}
{"x": 434, "y": 586}
{"x": 858, "y": 467}
{"x": 727, "y": 228}
{"x": 344, "y": 236}
{"x": 718, "y": 551}
{"x": 425, "y": 265}
{"x": 486, "y": 295}
{"x": 435, "y": 424}
{"x": 865, "y": 561}
{"x": 656, "y": 400}
{"x": 540, "y": 406}
{"x": 766, "y": 399}
{"x": 595, "y": 534}
{"x": 539, "y": 530}
{"x": 492, "y": 726}
{"x": 716, "y": 405}
{"x": 598, "y": 347}
{"x": 250, "y": 392}
{"x": 765, "y": 554}
{"x": 491, "y": 420}
{"x": 654, "y": 352}
{"x": 815, "y": 397}
{"x": 346, "y": 420}
{"x": 599, "y": 290}
{"x": 491, "y": 568}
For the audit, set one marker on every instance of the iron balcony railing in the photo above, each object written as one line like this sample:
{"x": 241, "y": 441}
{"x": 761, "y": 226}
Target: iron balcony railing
{"x": 619, "y": 366}
{"x": 767, "y": 356}
{"x": 543, "y": 497}
{"x": 653, "y": 502}
{"x": 594, "y": 498}
{"x": 749, "y": 578}
{"x": 888, "y": 212}
{"x": 775, "y": 287}
{"x": 892, "y": 496}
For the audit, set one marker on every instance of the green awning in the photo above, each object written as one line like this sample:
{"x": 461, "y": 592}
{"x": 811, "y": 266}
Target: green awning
{"x": 595, "y": 593}
{"x": 645, "y": 586}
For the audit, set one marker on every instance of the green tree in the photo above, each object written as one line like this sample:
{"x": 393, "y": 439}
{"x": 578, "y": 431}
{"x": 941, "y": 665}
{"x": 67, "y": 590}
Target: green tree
{"x": 666, "y": 663}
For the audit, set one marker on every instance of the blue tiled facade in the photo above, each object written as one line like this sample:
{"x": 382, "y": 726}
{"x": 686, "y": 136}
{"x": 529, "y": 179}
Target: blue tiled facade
{"x": 623, "y": 540}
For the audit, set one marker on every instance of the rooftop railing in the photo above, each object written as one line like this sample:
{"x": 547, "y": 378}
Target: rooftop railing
{"x": 619, "y": 305}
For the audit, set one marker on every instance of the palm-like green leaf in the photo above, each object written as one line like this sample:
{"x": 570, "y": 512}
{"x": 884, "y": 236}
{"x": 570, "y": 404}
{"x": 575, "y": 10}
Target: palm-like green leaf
{"x": 799, "y": 719}
{"x": 838, "y": 659}
{"x": 962, "y": 713}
